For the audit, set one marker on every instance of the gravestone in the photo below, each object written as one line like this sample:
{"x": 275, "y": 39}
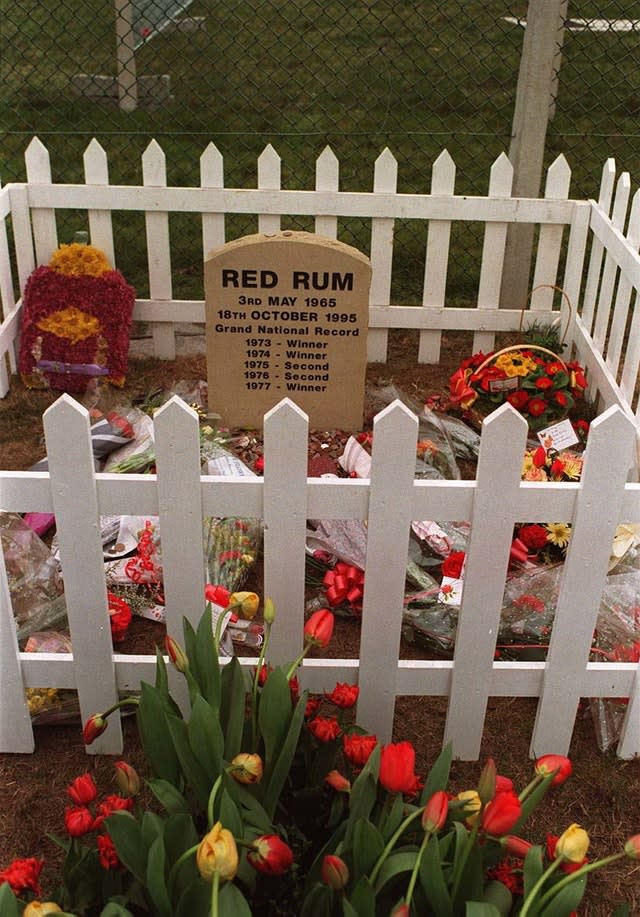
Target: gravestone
{"x": 287, "y": 316}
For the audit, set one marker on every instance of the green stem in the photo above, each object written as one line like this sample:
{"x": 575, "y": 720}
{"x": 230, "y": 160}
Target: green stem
{"x": 254, "y": 692}
{"x": 530, "y": 787}
{"x": 572, "y": 876}
{"x": 215, "y": 888}
{"x": 125, "y": 702}
{"x": 392, "y": 841}
{"x": 462, "y": 862}
{"x": 536, "y": 888}
{"x": 178, "y": 863}
{"x": 416, "y": 869}
{"x": 294, "y": 665}
{"x": 212, "y": 799}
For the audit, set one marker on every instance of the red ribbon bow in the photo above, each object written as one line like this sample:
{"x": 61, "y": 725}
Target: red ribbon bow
{"x": 345, "y": 583}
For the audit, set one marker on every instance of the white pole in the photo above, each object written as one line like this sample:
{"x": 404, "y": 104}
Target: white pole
{"x": 542, "y": 37}
{"x": 125, "y": 56}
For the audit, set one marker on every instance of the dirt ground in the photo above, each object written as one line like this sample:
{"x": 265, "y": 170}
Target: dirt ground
{"x": 603, "y": 795}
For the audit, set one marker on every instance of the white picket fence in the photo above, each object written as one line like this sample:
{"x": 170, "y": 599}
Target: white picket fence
{"x": 605, "y": 315}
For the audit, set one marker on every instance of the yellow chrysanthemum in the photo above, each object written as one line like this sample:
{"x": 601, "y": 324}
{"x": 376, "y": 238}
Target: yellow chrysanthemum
{"x": 558, "y": 533}
{"x": 515, "y": 364}
{"x": 571, "y": 465}
{"x": 39, "y": 699}
{"x": 77, "y": 260}
{"x": 71, "y": 324}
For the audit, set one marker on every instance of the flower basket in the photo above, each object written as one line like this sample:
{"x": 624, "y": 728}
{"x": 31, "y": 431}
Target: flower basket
{"x": 76, "y": 322}
{"x": 533, "y": 379}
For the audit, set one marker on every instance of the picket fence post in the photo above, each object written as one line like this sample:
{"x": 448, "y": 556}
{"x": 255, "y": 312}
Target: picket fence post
{"x": 154, "y": 174}
{"x": 75, "y": 504}
{"x": 16, "y": 733}
{"x": 606, "y": 464}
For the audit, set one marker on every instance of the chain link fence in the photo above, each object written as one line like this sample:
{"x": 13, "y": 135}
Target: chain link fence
{"x": 300, "y": 74}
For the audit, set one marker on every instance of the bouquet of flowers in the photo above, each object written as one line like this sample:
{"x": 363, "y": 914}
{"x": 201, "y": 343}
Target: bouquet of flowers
{"x": 531, "y": 378}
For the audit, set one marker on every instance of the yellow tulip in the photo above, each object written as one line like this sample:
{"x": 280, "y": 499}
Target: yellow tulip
{"x": 472, "y": 806}
{"x": 245, "y": 603}
{"x": 41, "y": 909}
{"x": 246, "y": 768}
{"x": 573, "y": 844}
{"x": 217, "y": 853}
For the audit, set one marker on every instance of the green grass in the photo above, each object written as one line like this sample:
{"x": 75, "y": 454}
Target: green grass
{"x": 300, "y": 75}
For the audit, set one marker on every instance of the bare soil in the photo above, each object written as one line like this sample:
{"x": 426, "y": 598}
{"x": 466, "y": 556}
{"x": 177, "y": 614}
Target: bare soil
{"x": 603, "y": 795}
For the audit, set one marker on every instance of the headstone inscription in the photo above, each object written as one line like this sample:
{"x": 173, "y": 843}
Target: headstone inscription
{"x": 287, "y": 316}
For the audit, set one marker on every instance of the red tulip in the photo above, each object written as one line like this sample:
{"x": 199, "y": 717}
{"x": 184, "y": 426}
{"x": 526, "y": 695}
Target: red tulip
{"x": 93, "y": 728}
{"x": 83, "y": 790}
{"x": 516, "y": 846}
{"x": 632, "y": 847}
{"x": 358, "y": 748}
{"x": 217, "y": 595}
{"x": 127, "y": 779}
{"x": 501, "y": 814}
{"x": 344, "y": 695}
{"x": 176, "y": 654}
{"x": 324, "y": 728}
{"x": 397, "y": 767}
{"x": 319, "y": 628}
{"x": 334, "y": 872}
{"x": 78, "y": 820}
{"x": 270, "y": 855}
{"x": 435, "y": 811}
{"x": 23, "y": 874}
{"x": 338, "y": 782}
{"x": 547, "y": 764}
{"x": 107, "y": 853}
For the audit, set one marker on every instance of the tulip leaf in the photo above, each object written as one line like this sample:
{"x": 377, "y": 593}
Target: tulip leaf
{"x": 481, "y": 909}
{"x": 230, "y": 815}
{"x": 232, "y": 903}
{"x": 532, "y": 868}
{"x": 151, "y": 827}
{"x": 253, "y": 813}
{"x": 195, "y": 899}
{"x": 195, "y": 774}
{"x": 395, "y": 865}
{"x": 180, "y": 835}
{"x": 368, "y": 845}
{"x": 276, "y": 775}
{"x": 438, "y": 777}
{"x": 497, "y": 894}
{"x": 8, "y": 902}
{"x": 395, "y": 815}
{"x": 150, "y": 718}
{"x": 207, "y": 664}
{"x": 347, "y": 909}
{"x": 432, "y": 879}
{"x": 162, "y": 676}
{"x": 170, "y": 798}
{"x": 126, "y": 834}
{"x": 156, "y": 883}
{"x": 232, "y": 707}
{"x": 363, "y": 898}
{"x": 318, "y": 902}
{"x": 205, "y": 737}
{"x": 274, "y": 714}
{"x": 190, "y": 648}
{"x": 112, "y": 909}
{"x": 566, "y": 899}
{"x": 365, "y": 788}
{"x": 531, "y": 801}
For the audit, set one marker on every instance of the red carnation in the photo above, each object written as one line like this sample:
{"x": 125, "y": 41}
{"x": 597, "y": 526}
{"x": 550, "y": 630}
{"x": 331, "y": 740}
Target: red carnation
{"x": 533, "y": 537}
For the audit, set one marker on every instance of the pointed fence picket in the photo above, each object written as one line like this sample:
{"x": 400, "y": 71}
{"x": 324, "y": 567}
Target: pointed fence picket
{"x": 284, "y": 499}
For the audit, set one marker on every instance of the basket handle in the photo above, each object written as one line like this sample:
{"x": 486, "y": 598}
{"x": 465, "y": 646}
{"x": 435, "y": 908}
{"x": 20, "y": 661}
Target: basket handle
{"x": 514, "y": 347}
{"x": 549, "y": 286}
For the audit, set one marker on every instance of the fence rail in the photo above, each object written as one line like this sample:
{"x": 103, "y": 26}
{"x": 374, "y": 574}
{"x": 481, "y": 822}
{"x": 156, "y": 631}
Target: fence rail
{"x": 284, "y": 499}
{"x": 590, "y": 248}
